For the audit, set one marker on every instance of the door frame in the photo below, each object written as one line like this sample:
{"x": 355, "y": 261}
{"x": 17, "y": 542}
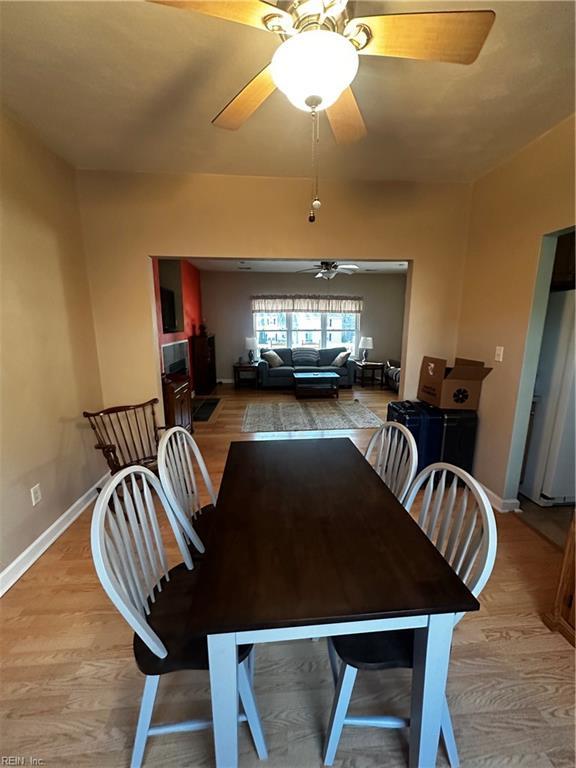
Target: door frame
{"x": 530, "y": 363}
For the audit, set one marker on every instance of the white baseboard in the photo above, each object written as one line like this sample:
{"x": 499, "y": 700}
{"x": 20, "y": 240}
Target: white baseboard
{"x": 10, "y": 575}
{"x": 499, "y": 504}
{"x": 226, "y": 381}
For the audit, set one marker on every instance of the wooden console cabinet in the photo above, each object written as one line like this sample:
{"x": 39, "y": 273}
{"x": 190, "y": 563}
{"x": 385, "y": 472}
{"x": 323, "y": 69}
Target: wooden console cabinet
{"x": 177, "y": 393}
{"x": 561, "y": 619}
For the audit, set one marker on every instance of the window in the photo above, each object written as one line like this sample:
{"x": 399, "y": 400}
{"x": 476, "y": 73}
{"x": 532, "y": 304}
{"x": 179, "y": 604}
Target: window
{"x": 318, "y": 330}
{"x": 271, "y": 329}
{"x": 306, "y": 329}
{"x": 341, "y": 328}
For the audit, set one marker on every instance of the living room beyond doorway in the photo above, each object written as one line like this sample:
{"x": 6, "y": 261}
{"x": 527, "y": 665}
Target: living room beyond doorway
{"x": 231, "y": 310}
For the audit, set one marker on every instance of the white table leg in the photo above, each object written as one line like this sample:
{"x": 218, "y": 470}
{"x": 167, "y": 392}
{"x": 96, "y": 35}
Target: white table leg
{"x": 223, "y": 658}
{"x": 431, "y": 659}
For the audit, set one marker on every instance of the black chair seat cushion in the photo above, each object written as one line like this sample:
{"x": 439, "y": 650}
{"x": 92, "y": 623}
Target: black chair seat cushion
{"x": 203, "y": 524}
{"x": 170, "y": 617}
{"x": 377, "y": 650}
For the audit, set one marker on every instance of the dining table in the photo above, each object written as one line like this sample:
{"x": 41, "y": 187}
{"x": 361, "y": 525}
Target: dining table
{"x": 307, "y": 541}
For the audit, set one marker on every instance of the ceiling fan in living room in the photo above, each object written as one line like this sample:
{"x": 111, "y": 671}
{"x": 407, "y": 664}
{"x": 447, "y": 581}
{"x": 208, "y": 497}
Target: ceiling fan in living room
{"x": 329, "y": 269}
{"x": 317, "y": 59}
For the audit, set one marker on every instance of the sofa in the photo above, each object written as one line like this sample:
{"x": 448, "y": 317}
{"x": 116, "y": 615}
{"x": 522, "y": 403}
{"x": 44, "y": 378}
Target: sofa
{"x": 392, "y": 371}
{"x": 282, "y": 376}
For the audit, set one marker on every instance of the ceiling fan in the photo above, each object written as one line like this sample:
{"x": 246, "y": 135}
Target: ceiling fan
{"x": 318, "y": 57}
{"x": 329, "y": 269}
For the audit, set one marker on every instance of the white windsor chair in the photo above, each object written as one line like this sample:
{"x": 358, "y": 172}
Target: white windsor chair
{"x": 460, "y": 523}
{"x": 178, "y": 455}
{"x": 157, "y": 602}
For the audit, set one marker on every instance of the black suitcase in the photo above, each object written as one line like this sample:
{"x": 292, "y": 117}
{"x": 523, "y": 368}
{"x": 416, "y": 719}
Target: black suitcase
{"x": 459, "y": 438}
{"x": 440, "y": 434}
{"x": 426, "y": 425}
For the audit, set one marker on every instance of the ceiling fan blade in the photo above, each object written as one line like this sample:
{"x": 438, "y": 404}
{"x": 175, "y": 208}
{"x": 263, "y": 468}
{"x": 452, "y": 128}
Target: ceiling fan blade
{"x": 320, "y": 274}
{"x": 452, "y": 36}
{"x": 348, "y": 266}
{"x": 245, "y": 103}
{"x": 345, "y": 271}
{"x": 346, "y": 119}
{"x": 250, "y": 12}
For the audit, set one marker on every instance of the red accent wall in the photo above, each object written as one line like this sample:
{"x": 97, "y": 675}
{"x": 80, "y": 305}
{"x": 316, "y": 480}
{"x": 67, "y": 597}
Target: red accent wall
{"x": 191, "y": 301}
{"x": 192, "y": 298}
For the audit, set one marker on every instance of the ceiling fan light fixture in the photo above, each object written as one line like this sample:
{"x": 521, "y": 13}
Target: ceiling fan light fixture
{"x": 313, "y": 68}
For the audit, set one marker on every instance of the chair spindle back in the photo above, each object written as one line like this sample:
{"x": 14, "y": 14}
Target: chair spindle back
{"x": 178, "y": 455}
{"x": 393, "y": 453}
{"x": 457, "y": 517}
{"x": 128, "y": 548}
{"x": 126, "y": 434}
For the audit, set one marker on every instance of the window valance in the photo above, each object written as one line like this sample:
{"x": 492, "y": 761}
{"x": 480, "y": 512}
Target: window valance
{"x": 307, "y": 303}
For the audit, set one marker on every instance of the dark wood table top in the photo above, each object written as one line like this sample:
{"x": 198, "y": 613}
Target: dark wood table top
{"x": 305, "y": 532}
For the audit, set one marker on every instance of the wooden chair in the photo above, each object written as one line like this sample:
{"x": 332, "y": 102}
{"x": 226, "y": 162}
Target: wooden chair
{"x": 393, "y": 453}
{"x": 130, "y": 560}
{"x": 127, "y": 435}
{"x": 178, "y": 455}
{"x": 460, "y": 523}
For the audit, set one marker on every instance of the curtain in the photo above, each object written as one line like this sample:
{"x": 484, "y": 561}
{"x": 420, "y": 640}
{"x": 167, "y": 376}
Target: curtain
{"x": 308, "y": 303}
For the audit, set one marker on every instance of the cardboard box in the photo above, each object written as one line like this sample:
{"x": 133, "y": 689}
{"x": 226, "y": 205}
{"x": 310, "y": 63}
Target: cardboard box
{"x": 458, "y": 387}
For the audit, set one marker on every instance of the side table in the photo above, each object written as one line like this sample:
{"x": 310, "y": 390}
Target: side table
{"x": 366, "y": 370}
{"x": 245, "y": 374}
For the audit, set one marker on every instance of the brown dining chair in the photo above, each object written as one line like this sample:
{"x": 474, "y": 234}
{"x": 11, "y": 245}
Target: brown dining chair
{"x": 127, "y": 435}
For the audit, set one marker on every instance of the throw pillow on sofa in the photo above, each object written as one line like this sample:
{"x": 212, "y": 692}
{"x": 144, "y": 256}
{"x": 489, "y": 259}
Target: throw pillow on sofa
{"x": 305, "y": 356}
{"x": 341, "y": 359}
{"x": 274, "y": 360}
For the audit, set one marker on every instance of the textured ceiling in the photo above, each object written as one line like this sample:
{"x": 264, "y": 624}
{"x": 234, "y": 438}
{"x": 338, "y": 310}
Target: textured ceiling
{"x": 133, "y": 86}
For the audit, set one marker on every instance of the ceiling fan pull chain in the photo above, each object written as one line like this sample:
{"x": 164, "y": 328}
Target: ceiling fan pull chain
{"x": 315, "y": 206}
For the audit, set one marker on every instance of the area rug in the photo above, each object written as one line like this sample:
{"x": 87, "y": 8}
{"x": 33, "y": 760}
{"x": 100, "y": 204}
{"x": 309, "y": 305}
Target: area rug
{"x": 298, "y": 416}
{"x": 203, "y": 408}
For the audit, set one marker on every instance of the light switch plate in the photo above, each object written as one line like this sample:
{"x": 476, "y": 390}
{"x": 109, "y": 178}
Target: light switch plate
{"x": 499, "y": 356}
{"x": 36, "y": 494}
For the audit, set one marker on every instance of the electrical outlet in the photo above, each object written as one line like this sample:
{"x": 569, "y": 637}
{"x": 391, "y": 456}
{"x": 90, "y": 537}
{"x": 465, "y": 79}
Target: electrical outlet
{"x": 499, "y": 356}
{"x": 36, "y": 495}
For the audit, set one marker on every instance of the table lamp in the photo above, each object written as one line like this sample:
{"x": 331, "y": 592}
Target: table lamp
{"x": 250, "y": 344}
{"x": 366, "y": 343}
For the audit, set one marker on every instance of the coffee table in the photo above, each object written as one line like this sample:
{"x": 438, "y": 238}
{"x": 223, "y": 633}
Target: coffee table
{"x": 316, "y": 384}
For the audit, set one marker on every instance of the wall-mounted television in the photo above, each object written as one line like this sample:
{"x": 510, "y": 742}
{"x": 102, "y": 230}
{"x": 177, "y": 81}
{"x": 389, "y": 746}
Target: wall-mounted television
{"x": 175, "y": 359}
{"x": 170, "y": 280}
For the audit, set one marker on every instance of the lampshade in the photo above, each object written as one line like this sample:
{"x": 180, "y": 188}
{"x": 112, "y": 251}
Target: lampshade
{"x": 366, "y": 342}
{"x": 316, "y": 65}
{"x": 250, "y": 342}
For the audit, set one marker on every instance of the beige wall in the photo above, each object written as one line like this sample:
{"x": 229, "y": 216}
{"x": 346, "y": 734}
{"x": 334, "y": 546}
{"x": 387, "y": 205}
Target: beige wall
{"x": 226, "y": 301}
{"x": 128, "y": 217}
{"x": 49, "y": 363}
{"x": 48, "y": 352}
{"x": 513, "y": 207}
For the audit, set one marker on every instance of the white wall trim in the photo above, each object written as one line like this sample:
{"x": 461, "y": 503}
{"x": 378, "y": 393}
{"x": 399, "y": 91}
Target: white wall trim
{"x": 501, "y": 505}
{"x": 10, "y": 575}
{"x": 226, "y": 381}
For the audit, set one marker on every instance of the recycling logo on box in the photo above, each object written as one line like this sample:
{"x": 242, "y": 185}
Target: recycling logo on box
{"x": 460, "y": 395}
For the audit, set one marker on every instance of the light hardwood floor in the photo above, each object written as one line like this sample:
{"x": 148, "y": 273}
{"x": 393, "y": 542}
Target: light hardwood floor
{"x": 70, "y": 690}
{"x": 551, "y": 522}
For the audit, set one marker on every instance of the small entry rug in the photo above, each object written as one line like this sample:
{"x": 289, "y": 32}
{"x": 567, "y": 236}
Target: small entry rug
{"x": 294, "y": 417}
{"x": 204, "y": 408}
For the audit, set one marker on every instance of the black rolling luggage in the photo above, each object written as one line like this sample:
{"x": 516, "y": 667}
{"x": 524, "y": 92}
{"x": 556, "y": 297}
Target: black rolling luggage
{"x": 440, "y": 434}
